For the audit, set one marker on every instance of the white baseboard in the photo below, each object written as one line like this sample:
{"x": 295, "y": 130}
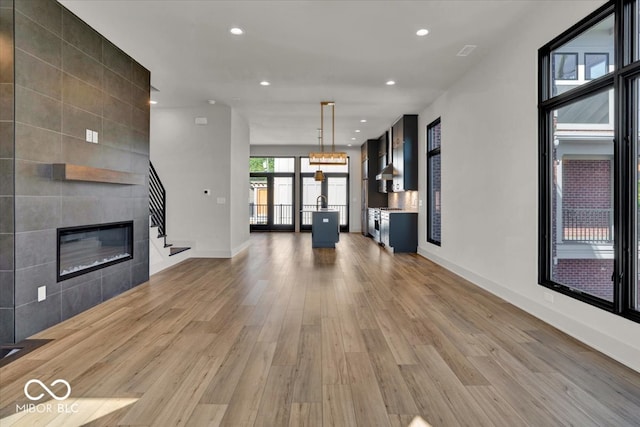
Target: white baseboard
{"x": 168, "y": 262}
{"x": 599, "y": 340}
{"x": 241, "y": 247}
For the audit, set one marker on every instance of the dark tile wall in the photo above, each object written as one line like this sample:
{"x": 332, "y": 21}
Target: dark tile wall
{"x": 69, "y": 79}
{"x": 6, "y": 173}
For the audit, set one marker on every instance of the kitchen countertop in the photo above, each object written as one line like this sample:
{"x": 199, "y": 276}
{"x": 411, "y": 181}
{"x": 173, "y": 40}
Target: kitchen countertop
{"x": 320, "y": 210}
{"x": 400, "y": 211}
{"x": 395, "y": 210}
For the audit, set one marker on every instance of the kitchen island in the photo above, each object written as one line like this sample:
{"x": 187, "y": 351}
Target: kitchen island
{"x": 325, "y": 228}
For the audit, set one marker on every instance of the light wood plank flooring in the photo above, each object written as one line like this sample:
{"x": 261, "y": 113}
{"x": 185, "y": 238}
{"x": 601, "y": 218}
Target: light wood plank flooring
{"x": 285, "y": 335}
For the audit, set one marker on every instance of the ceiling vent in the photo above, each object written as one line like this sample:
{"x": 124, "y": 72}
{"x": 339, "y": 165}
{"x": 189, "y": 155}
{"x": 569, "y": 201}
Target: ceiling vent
{"x": 466, "y": 50}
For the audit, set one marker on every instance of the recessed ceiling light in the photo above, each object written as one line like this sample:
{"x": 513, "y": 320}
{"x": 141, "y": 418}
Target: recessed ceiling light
{"x": 153, "y": 102}
{"x": 390, "y": 83}
{"x": 211, "y": 101}
{"x": 422, "y": 32}
{"x": 264, "y": 83}
{"x": 236, "y": 31}
{"x": 353, "y": 139}
{"x": 349, "y": 145}
{"x": 357, "y": 130}
{"x": 363, "y": 121}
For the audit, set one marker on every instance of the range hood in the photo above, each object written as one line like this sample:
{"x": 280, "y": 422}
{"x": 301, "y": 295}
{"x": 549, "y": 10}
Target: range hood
{"x": 386, "y": 174}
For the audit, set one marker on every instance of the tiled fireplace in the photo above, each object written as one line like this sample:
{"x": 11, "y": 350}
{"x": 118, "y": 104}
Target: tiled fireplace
{"x": 59, "y": 79}
{"x": 88, "y": 248}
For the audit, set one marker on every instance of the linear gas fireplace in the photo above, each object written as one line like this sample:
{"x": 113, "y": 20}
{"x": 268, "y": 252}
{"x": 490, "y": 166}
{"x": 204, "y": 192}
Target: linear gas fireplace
{"x": 91, "y": 247}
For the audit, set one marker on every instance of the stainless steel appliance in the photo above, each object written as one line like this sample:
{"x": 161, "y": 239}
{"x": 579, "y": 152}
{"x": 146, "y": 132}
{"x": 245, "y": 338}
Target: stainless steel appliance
{"x": 376, "y": 225}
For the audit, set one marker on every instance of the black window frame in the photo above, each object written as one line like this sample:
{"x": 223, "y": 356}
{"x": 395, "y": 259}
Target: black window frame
{"x": 621, "y": 80}
{"x": 431, "y": 153}
{"x": 270, "y": 226}
{"x": 575, "y": 55}
{"x": 587, "y": 74}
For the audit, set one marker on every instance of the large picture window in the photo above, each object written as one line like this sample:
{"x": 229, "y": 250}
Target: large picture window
{"x": 433, "y": 183}
{"x": 589, "y": 120}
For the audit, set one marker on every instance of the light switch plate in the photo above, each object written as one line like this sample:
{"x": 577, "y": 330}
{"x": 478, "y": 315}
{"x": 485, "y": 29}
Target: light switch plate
{"x": 42, "y": 293}
{"x": 89, "y": 135}
{"x": 95, "y": 137}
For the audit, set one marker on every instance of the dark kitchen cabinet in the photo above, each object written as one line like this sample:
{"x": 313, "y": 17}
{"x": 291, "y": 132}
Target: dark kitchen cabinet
{"x": 399, "y": 231}
{"x": 404, "y": 143}
{"x": 364, "y": 158}
{"x": 370, "y": 195}
{"x": 384, "y": 159}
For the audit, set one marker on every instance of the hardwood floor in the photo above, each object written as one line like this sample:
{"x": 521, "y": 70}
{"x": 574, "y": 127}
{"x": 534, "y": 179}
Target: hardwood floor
{"x": 287, "y": 335}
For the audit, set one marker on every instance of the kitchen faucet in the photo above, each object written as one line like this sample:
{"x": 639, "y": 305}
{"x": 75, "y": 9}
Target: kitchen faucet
{"x": 322, "y": 196}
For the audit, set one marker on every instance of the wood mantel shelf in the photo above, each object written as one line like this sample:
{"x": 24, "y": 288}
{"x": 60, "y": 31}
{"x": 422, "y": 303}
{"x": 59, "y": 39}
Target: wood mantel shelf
{"x": 69, "y": 172}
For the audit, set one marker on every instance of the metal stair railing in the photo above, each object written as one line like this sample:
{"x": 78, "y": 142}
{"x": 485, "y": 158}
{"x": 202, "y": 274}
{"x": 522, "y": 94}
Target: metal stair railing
{"x": 157, "y": 203}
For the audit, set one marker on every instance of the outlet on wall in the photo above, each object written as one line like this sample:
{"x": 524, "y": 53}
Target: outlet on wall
{"x": 42, "y": 293}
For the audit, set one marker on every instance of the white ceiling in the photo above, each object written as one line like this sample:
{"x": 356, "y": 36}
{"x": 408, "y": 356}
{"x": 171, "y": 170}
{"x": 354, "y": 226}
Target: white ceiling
{"x": 310, "y": 51}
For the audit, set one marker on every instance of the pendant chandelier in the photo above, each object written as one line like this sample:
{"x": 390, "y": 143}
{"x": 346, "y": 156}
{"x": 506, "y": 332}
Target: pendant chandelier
{"x": 327, "y": 157}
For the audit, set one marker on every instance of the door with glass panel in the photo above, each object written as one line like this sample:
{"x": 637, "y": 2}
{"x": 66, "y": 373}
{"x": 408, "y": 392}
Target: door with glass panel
{"x": 311, "y": 190}
{"x": 338, "y": 197}
{"x": 258, "y": 201}
{"x": 271, "y": 186}
{"x": 332, "y": 191}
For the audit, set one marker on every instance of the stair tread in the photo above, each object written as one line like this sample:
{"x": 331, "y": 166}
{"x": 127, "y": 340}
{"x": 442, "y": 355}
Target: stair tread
{"x": 177, "y": 250}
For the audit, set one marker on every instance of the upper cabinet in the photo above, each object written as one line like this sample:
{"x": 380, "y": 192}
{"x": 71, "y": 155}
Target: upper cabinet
{"x": 383, "y": 160}
{"x": 364, "y": 158}
{"x": 404, "y": 143}
{"x": 370, "y": 159}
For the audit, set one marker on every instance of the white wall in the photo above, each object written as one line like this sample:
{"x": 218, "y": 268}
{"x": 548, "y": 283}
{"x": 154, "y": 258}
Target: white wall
{"x": 489, "y": 184}
{"x": 239, "y": 183}
{"x": 355, "y": 176}
{"x": 190, "y": 158}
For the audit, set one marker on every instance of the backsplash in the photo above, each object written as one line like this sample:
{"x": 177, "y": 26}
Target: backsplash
{"x": 406, "y": 200}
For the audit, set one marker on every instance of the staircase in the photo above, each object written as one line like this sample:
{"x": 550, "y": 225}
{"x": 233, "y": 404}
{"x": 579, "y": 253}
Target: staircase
{"x": 159, "y": 249}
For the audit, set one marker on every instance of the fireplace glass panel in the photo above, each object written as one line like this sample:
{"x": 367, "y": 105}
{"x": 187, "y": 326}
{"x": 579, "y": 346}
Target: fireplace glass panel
{"x": 88, "y": 248}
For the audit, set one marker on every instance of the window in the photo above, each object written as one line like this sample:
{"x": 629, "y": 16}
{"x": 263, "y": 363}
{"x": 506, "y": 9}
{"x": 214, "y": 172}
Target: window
{"x": 594, "y": 46}
{"x": 271, "y": 185}
{"x": 565, "y": 66}
{"x": 589, "y": 147}
{"x": 595, "y": 65}
{"x": 433, "y": 183}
